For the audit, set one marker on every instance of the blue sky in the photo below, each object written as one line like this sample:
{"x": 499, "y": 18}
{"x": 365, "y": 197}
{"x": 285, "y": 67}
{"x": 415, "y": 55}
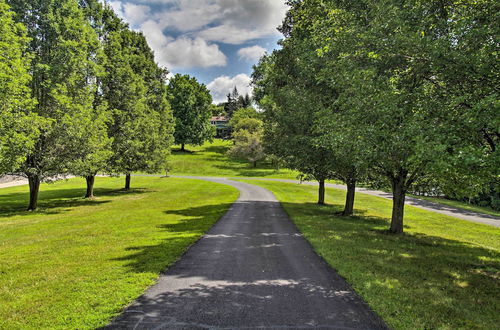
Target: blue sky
{"x": 216, "y": 41}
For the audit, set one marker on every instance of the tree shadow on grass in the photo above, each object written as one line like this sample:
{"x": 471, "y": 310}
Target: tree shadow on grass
{"x": 56, "y": 201}
{"x": 180, "y": 235}
{"x": 183, "y": 152}
{"x": 246, "y": 169}
{"x": 217, "y": 149}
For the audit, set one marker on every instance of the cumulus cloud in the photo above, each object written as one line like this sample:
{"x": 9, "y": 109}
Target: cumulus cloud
{"x": 199, "y": 25}
{"x": 243, "y": 20}
{"x": 223, "y": 85}
{"x": 185, "y": 53}
{"x": 136, "y": 14}
{"x": 182, "y": 52}
{"x": 251, "y": 54}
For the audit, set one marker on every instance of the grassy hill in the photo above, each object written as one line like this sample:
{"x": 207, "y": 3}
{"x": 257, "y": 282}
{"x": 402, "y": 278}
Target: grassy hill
{"x": 211, "y": 159}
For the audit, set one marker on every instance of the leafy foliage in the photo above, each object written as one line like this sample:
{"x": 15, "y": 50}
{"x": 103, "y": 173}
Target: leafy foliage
{"x": 191, "y": 105}
{"x": 372, "y": 82}
{"x": 19, "y": 126}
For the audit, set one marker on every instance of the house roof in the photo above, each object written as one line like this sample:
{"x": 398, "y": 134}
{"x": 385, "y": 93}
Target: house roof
{"x": 218, "y": 118}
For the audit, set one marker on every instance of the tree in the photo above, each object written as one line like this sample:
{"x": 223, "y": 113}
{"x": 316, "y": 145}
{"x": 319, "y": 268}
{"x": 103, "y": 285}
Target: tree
{"x": 95, "y": 144}
{"x": 247, "y": 137}
{"x": 302, "y": 114}
{"x": 243, "y": 113}
{"x": 468, "y": 80}
{"x": 61, "y": 41}
{"x": 392, "y": 61}
{"x": 231, "y": 104}
{"x": 190, "y": 103}
{"x": 19, "y": 126}
{"x": 244, "y": 101}
{"x": 290, "y": 132}
{"x": 217, "y": 110}
{"x": 134, "y": 88}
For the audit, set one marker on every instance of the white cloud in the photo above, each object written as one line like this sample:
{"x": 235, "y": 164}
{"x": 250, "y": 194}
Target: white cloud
{"x": 251, "y": 54}
{"x": 223, "y": 85}
{"x": 187, "y": 16}
{"x": 229, "y": 21}
{"x": 136, "y": 14}
{"x": 242, "y": 20}
{"x": 200, "y": 23}
{"x": 183, "y": 52}
{"x": 117, "y": 8}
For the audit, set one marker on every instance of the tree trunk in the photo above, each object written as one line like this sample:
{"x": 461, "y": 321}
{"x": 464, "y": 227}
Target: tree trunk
{"x": 90, "y": 186}
{"x": 254, "y": 163}
{"x": 398, "y": 204}
{"x": 321, "y": 192}
{"x": 34, "y": 183}
{"x": 127, "y": 181}
{"x": 349, "y": 198}
{"x": 183, "y": 147}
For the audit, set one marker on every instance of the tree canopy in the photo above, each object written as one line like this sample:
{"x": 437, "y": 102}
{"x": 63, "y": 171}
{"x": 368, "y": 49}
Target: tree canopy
{"x": 191, "y": 106}
{"x": 19, "y": 126}
{"x": 376, "y": 85}
{"x": 99, "y": 99}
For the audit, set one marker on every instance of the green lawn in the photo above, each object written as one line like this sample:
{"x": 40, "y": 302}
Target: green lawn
{"x": 211, "y": 160}
{"x": 75, "y": 263}
{"x": 443, "y": 273}
{"x": 462, "y": 205}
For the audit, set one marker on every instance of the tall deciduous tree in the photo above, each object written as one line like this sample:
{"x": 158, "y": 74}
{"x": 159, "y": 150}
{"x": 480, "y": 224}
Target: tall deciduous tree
{"x": 135, "y": 90}
{"x": 61, "y": 41}
{"x": 396, "y": 63}
{"x": 18, "y": 124}
{"x": 303, "y": 118}
{"x": 190, "y": 102}
{"x": 95, "y": 144}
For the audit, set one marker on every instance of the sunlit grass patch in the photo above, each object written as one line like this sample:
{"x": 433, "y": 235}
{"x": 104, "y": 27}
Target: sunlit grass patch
{"x": 75, "y": 263}
{"x": 211, "y": 159}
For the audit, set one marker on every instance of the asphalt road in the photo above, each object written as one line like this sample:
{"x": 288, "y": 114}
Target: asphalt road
{"x": 252, "y": 270}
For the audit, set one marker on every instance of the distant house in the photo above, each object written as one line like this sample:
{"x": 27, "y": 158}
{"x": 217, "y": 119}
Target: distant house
{"x": 221, "y": 126}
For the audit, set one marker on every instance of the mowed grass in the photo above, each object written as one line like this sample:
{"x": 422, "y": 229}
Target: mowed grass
{"x": 461, "y": 205}
{"x": 443, "y": 273}
{"x": 75, "y": 263}
{"x": 211, "y": 159}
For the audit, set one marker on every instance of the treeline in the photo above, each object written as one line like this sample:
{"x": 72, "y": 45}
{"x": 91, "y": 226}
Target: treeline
{"x": 80, "y": 94}
{"x": 396, "y": 94}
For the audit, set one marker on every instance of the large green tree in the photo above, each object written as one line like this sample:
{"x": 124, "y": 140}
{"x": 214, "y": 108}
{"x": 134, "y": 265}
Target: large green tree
{"x": 394, "y": 64}
{"x": 134, "y": 88}
{"x": 18, "y": 124}
{"x": 304, "y": 125}
{"x": 61, "y": 43}
{"x": 95, "y": 144}
{"x": 289, "y": 117}
{"x": 190, "y": 103}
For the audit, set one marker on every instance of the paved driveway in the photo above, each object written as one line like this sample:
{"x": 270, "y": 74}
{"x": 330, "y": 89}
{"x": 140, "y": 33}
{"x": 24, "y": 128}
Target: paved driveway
{"x": 253, "y": 269}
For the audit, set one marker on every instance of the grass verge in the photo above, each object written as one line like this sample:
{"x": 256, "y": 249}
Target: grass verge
{"x": 461, "y": 205}
{"x": 75, "y": 263}
{"x": 211, "y": 159}
{"x": 442, "y": 273}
